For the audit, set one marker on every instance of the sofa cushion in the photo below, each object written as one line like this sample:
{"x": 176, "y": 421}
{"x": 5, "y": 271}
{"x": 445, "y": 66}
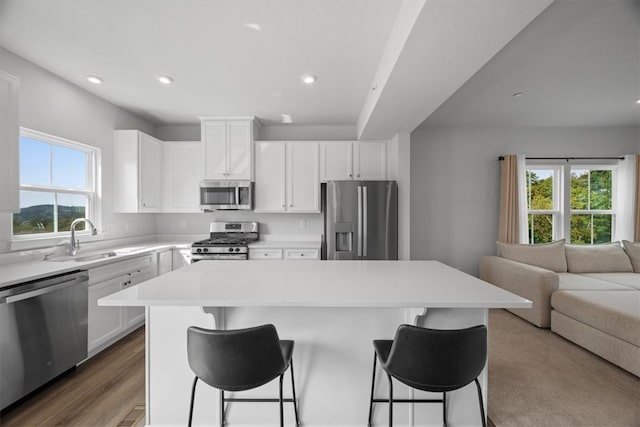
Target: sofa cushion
{"x": 631, "y": 280}
{"x": 615, "y": 313}
{"x": 633, "y": 251}
{"x": 605, "y": 258}
{"x": 547, "y": 255}
{"x": 582, "y": 282}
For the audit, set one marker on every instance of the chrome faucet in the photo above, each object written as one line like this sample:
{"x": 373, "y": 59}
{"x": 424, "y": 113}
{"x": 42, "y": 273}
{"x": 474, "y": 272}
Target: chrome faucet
{"x": 75, "y": 244}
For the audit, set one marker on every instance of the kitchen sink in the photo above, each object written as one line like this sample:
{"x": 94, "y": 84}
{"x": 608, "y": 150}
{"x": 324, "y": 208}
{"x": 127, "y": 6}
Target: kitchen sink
{"x": 83, "y": 258}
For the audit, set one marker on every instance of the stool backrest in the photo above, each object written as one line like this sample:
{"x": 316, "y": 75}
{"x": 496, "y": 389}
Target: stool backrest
{"x": 235, "y": 360}
{"x": 437, "y": 359}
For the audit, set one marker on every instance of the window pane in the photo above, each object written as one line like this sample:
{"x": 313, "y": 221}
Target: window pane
{"x": 591, "y": 229}
{"x": 70, "y": 207}
{"x": 539, "y": 189}
{"x": 36, "y": 213}
{"x": 540, "y": 228}
{"x": 600, "y": 189}
{"x": 69, "y": 168}
{"x": 35, "y": 164}
{"x": 579, "y": 189}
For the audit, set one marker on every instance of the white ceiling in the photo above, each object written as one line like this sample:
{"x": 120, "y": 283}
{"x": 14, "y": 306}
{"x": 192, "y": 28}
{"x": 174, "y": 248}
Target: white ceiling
{"x": 577, "y": 63}
{"x": 416, "y": 53}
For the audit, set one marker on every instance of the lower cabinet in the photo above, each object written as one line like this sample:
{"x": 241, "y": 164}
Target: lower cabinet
{"x": 284, "y": 253}
{"x": 108, "y": 324}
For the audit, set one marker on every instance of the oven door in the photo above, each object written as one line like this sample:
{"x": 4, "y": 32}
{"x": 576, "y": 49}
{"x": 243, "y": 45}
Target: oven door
{"x": 226, "y": 195}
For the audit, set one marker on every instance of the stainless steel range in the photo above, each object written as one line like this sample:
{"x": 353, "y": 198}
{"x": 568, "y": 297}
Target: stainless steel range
{"x": 227, "y": 240}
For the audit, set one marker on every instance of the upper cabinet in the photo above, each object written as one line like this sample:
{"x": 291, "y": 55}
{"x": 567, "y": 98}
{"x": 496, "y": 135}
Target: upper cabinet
{"x": 287, "y": 177}
{"x": 226, "y": 148}
{"x": 136, "y": 178}
{"x": 181, "y": 175}
{"x": 9, "y": 141}
{"x": 353, "y": 160}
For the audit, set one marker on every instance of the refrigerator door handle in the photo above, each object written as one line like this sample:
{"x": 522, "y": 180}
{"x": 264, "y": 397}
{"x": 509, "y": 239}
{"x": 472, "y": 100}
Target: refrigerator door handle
{"x": 359, "y": 253}
{"x": 365, "y": 214}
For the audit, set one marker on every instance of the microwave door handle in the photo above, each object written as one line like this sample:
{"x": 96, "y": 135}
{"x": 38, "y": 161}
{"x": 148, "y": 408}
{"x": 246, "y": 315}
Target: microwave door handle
{"x": 237, "y": 203}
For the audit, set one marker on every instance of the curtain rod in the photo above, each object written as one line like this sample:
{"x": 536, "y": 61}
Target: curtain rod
{"x": 569, "y": 158}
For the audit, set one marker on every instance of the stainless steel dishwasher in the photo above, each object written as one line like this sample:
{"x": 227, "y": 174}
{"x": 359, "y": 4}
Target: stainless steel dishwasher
{"x": 43, "y": 332}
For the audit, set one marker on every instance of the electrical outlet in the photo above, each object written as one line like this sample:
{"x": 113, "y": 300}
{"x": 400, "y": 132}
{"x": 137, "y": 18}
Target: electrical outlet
{"x": 183, "y": 225}
{"x": 303, "y": 224}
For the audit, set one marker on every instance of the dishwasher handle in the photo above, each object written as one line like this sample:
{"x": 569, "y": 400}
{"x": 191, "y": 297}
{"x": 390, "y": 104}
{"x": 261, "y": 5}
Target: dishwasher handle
{"x": 42, "y": 291}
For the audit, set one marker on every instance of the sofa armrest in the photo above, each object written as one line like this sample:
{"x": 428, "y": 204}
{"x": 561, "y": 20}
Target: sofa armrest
{"x": 528, "y": 281}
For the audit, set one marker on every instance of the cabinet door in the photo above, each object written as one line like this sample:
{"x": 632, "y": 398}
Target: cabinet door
{"x": 181, "y": 258}
{"x": 214, "y": 149}
{"x": 105, "y": 323}
{"x": 149, "y": 164}
{"x": 134, "y": 315}
{"x": 165, "y": 262}
{"x": 239, "y": 149}
{"x": 181, "y": 175}
{"x": 370, "y": 160}
{"x": 270, "y": 177}
{"x": 9, "y": 141}
{"x": 303, "y": 178}
{"x": 336, "y": 160}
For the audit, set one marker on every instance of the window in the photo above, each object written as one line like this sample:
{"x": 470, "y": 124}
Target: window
{"x": 574, "y": 202}
{"x": 57, "y": 185}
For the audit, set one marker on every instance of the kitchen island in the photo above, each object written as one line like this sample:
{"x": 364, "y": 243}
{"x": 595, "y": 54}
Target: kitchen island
{"x": 332, "y": 309}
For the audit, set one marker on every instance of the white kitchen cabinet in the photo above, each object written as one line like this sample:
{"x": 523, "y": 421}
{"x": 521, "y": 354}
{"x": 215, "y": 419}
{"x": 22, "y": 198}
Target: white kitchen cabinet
{"x": 353, "y": 160}
{"x": 181, "y": 258}
{"x": 284, "y": 253}
{"x": 136, "y": 180}
{"x": 9, "y": 141}
{"x": 181, "y": 175}
{"x": 226, "y": 148}
{"x": 165, "y": 262}
{"x": 301, "y": 254}
{"x": 258, "y": 254}
{"x": 287, "y": 176}
{"x": 108, "y": 324}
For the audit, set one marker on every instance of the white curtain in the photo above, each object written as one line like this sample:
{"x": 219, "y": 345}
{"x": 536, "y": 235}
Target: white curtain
{"x": 627, "y": 199}
{"x": 523, "y": 225}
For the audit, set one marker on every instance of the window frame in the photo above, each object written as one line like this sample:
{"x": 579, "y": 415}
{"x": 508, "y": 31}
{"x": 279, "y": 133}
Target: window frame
{"x": 562, "y": 184}
{"x": 93, "y": 157}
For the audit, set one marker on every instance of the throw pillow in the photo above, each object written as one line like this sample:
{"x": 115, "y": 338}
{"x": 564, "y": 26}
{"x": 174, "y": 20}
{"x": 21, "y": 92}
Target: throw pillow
{"x": 545, "y": 255}
{"x": 605, "y": 258}
{"x": 633, "y": 251}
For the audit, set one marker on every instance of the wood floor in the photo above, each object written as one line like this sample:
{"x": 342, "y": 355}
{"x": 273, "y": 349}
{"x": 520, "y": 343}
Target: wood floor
{"x": 106, "y": 391}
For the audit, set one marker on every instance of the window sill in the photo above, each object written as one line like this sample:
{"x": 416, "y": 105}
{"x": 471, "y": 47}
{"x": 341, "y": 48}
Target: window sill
{"x": 49, "y": 241}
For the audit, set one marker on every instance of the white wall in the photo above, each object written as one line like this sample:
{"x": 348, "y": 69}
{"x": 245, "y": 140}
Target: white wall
{"x": 52, "y": 105}
{"x": 455, "y": 176}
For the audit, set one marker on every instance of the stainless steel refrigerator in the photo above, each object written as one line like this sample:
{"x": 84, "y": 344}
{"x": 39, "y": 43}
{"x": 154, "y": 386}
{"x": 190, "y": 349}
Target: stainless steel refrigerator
{"x": 361, "y": 220}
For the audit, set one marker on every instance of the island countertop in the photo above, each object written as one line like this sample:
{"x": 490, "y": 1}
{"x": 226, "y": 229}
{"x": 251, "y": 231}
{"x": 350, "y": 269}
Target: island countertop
{"x": 392, "y": 284}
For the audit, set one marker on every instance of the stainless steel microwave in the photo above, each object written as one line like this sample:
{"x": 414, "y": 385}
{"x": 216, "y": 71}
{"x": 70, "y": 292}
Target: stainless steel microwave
{"x": 226, "y": 195}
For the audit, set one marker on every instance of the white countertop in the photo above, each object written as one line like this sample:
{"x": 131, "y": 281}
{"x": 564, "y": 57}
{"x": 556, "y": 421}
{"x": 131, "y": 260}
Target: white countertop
{"x": 409, "y": 284}
{"x": 14, "y": 273}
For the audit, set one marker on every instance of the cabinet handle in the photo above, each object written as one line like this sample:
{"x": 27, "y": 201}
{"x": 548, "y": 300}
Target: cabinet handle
{"x": 291, "y": 205}
{"x": 301, "y": 254}
{"x": 266, "y": 254}
{"x": 350, "y": 175}
{"x": 284, "y": 206}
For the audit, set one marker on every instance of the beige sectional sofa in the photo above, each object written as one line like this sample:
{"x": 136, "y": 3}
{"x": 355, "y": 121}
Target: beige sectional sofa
{"x": 588, "y": 294}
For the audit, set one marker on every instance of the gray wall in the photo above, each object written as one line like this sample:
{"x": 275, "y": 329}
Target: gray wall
{"x": 455, "y": 176}
{"x": 52, "y": 105}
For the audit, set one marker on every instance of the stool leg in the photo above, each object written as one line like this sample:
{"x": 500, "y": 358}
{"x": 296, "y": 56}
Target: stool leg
{"x": 484, "y": 422}
{"x": 444, "y": 408}
{"x": 293, "y": 389}
{"x": 373, "y": 383}
{"x": 221, "y": 408}
{"x": 193, "y": 395}
{"x": 390, "y": 401}
{"x": 281, "y": 405}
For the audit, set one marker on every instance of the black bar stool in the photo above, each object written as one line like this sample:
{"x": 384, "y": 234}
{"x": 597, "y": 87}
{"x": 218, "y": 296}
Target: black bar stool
{"x": 238, "y": 360}
{"x": 431, "y": 360}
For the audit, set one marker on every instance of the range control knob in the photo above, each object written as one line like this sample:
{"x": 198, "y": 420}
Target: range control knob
{"x": 199, "y": 250}
{"x": 205, "y": 250}
{"x": 237, "y": 249}
{"x": 230, "y": 249}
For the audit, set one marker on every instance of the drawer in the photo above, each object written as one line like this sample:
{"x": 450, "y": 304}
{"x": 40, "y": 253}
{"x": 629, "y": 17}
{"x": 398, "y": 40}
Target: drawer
{"x": 301, "y": 254}
{"x": 119, "y": 268}
{"x": 265, "y": 253}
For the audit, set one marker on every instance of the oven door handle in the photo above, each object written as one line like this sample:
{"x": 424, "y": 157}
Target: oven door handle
{"x": 42, "y": 291}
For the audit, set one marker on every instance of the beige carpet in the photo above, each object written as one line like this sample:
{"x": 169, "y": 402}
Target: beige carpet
{"x": 537, "y": 378}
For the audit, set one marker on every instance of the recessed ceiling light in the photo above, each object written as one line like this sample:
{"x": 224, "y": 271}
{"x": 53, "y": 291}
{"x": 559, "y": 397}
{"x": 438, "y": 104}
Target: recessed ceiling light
{"x": 165, "y": 80}
{"x": 94, "y": 79}
{"x": 286, "y": 118}
{"x": 253, "y": 26}
{"x": 308, "y": 79}
{"x": 517, "y": 94}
